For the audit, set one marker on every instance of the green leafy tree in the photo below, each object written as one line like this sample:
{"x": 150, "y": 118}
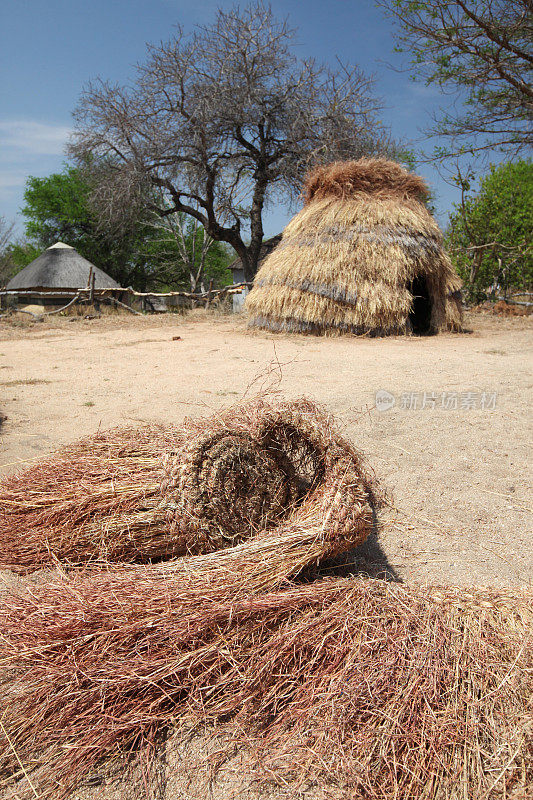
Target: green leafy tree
{"x": 15, "y": 257}
{"x": 139, "y": 254}
{"x": 481, "y": 50}
{"x": 182, "y": 240}
{"x": 57, "y": 208}
{"x": 21, "y": 254}
{"x": 490, "y": 233}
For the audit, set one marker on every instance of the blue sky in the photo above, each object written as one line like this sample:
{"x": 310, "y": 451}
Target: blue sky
{"x": 50, "y": 48}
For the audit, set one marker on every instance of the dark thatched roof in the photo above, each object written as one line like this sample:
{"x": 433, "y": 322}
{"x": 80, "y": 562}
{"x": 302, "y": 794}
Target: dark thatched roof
{"x": 266, "y": 248}
{"x": 60, "y": 267}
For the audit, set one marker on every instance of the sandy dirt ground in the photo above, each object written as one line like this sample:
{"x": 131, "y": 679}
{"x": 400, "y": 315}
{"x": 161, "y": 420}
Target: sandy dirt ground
{"x": 458, "y": 477}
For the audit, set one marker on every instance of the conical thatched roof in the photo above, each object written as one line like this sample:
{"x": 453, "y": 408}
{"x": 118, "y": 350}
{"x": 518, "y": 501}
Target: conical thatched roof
{"x": 60, "y": 267}
{"x": 363, "y": 255}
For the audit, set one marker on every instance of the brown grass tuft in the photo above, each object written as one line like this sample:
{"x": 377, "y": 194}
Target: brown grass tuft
{"x": 371, "y": 176}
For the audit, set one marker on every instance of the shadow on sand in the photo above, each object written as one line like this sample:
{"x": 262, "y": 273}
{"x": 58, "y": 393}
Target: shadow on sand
{"x": 366, "y": 559}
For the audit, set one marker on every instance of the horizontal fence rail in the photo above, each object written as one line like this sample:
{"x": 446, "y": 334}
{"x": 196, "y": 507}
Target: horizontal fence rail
{"x": 90, "y": 294}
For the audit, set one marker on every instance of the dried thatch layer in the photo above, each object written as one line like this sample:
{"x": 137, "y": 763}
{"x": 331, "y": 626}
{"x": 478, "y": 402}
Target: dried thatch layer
{"x": 354, "y": 258}
{"x": 155, "y": 493}
{"x": 377, "y": 177}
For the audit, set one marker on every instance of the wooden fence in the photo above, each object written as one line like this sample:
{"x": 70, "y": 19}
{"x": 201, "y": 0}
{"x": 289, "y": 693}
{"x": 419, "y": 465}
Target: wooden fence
{"x": 91, "y": 295}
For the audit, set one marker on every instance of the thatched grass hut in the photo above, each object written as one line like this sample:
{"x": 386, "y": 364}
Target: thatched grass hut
{"x": 60, "y": 267}
{"x": 364, "y": 255}
{"x": 56, "y": 276}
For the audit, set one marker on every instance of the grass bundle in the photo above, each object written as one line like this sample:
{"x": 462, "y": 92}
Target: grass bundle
{"x": 363, "y": 688}
{"x": 364, "y": 256}
{"x": 358, "y": 687}
{"x": 95, "y": 499}
{"x": 369, "y": 176}
{"x": 157, "y": 493}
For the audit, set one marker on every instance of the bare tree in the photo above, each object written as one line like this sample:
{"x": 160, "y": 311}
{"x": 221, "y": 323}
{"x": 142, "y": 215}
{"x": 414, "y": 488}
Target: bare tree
{"x": 187, "y": 239}
{"x": 222, "y": 121}
{"x": 480, "y": 49}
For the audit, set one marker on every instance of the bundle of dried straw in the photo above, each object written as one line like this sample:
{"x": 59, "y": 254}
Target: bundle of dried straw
{"x": 363, "y": 688}
{"x": 156, "y": 493}
{"x": 358, "y": 687}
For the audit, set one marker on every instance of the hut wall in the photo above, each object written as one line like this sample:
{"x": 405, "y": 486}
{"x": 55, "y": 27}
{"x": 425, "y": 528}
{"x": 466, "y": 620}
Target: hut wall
{"x": 238, "y": 299}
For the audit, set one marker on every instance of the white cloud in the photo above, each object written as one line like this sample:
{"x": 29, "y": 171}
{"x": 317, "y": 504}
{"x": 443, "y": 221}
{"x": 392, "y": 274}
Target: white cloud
{"x": 27, "y": 147}
{"x": 35, "y": 138}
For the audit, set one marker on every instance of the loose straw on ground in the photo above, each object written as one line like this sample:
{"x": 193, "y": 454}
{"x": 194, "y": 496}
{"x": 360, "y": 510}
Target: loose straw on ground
{"x": 372, "y": 689}
{"x": 359, "y": 687}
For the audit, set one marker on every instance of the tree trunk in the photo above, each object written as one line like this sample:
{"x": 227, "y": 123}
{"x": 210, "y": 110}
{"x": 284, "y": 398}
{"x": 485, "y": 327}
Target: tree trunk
{"x": 256, "y": 221}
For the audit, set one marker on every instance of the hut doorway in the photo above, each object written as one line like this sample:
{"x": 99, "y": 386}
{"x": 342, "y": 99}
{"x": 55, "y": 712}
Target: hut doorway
{"x": 420, "y": 313}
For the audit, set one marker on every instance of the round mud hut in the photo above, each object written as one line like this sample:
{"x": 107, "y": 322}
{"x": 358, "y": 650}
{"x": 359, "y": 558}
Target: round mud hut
{"x": 364, "y": 255}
